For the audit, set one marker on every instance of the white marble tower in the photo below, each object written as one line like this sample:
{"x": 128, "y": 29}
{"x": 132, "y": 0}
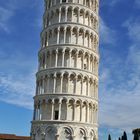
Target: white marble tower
{"x": 66, "y": 100}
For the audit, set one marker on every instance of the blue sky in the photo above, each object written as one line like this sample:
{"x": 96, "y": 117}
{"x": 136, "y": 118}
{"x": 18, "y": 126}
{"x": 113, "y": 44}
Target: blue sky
{"x": 119, "y": 91}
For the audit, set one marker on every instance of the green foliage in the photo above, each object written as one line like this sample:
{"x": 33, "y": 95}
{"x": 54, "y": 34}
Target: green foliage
{"x": 136, "y": 137}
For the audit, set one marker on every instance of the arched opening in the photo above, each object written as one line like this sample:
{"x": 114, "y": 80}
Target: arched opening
{"x": 69, "y": 15}
{"x": 79, "y": 85}
{"x": 45, "y": 84}
{"x": 81, "y": 135}
{"x": 73, "y": 59}
{"x": 55, "y": 37}
{"x": 68, "y": 36}
{"x": 78, "y": 111}
{"x": 85, "y": 86}
{"x": 51, "y": 84}
{"x": 38, "y": 134}
{"x": 59, "y": 62}
{"x": 50, "y": 134}
{"x": 75, "y": 15}
{"x": 66, "y": 60}
{"x": 84, "y": 112}
{"x": 87, "y": 19}
{"x": 64, "y": 110}
{"x": 81, "y": 17}
{"x": 43, "y": 106}
{"x": 87, "y": 3}
{"x": 53, "y": 58}
{"x": 61, "y": 39}
{"x": 65, "y": 84}
{"x": 90, "y": 113}
{"x": 58, "y": 83}
{"x": 91, "y": 88}
{"x": 72, "y": 84}
{"x": 74, "y": 36}
{"x": 65, "y": 134}
{"x": 50, "y": 38}
{"x": 63, "y": 10}
{"x": 81, "y": 37}
{"x": 48, "y": 110}
{"x": 56, "y": 16}
{"x": 56, "y": 110}
{"x": 70, "y": 111}
{"x": 92, "y": 135}
{"x": 86, "y": 39}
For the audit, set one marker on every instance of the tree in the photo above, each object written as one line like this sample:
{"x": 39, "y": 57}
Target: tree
{"x": 136, "y": 137}
{"x": 119, "y": 138}
{"x": 109, "y": 137}
{"x": 124, "y": 136}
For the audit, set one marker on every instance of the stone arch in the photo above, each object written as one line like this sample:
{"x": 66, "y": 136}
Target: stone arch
{"x": 78, "y": 110}
{"x": 63, "y": 11}
{"x": 81, "y": 36}
{"x": 38, "y": 133}
{"x": 92, "y": 135}
{"x": 87, "y": 18}
{"x": 68, "y": 34}
{"x": 70, "y": 109}
{"x": 64, "y": 109}
{"x": 86, "y": 41}
{"x": 79, "y": 84}
{"x": 61, "y": 39}
{"x": 88, "y": 3}
{"x": 65, "y": 83}
{"x": 73, "y": 60}
{"x": 58, "y": 82}
{"x": 72, "y": 83}
{"x": 66, "y": 133}
{"x": 50, "y": 133}
{"x": 81, "y": 16}
{"x": 90, "y": 112}
{"x": 85, "y": 83}
{"x": 74, "y": 35}
{"x": 81, "y": 135}
{"x": 69, "y": 14}
{"x": 84, "y": 111}
{"x": 56, "y": 109}
{"x": 66, "y": 56}
{"x": 49, "y": 109}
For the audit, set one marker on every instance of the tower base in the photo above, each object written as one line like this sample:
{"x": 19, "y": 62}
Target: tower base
{"x": 63, "y": 131}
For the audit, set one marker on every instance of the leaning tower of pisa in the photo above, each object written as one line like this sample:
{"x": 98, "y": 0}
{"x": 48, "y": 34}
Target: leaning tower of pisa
{"x": 66, "y": 100}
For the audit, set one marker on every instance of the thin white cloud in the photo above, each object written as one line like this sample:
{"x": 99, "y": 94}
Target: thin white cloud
{"x": 107, "y": 35}
{"x": 17, "y": 90}
{"x": 120, "y": 100}
{"x": 133, "y": 27}
{"x": 137, "y": 3}
{"x": 5, "y": 16}
{"x": 119, "y": 105}
{"x": 109, "y": 3}
{"x": 8, "y": 11}
{"x": 17, "y": 79}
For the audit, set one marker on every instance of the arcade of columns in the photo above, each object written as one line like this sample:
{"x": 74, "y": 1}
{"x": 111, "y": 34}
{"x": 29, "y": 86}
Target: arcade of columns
{"x": 66, "y": 101}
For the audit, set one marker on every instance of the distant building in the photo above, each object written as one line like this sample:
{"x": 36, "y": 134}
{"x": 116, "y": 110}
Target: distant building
{"x": 136, "y": 133}
{"x": 13, "y": 137}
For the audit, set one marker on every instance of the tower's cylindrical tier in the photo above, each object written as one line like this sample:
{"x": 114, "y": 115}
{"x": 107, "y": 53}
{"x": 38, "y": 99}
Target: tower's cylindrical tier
{"x": 66, "y": 100}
